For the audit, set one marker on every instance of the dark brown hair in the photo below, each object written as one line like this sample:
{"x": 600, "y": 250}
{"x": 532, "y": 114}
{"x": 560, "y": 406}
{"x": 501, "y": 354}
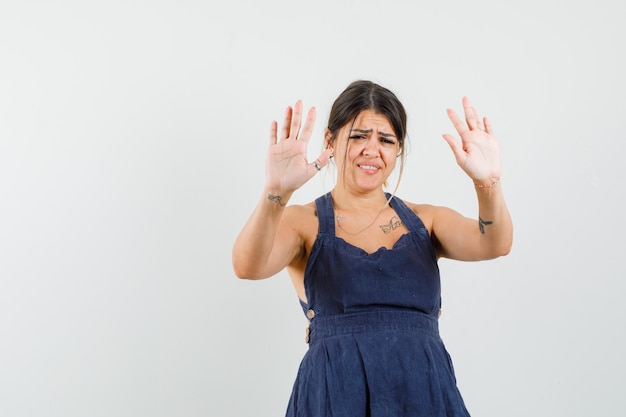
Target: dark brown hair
{"x": 364, "y": 95}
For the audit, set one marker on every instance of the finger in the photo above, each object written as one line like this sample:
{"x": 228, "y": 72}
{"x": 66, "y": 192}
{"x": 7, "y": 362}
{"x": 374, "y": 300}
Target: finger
{"x": 321, "y": 161}
{"x": 481, "y": 125}
{"x": 479, "y": 120}
{"x": 307, "y": 130}
{"x": 317, "y": 166}
{"x": 296, "y": 120}
{"x": 488, "y": 127}
{"x": 325, "y": 157}
{"x": 457, "y": 150}
{"x": 273, "y": 132}
{"x": 470, "y": 114}
{"x": 460, "y": 127}
{"x": 284, "y": 131}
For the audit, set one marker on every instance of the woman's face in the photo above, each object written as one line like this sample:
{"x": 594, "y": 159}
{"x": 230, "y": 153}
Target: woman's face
{"x": 366, "y": 151}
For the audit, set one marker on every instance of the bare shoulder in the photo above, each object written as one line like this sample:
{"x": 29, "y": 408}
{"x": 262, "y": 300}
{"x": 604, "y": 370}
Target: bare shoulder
{"x": 299, "y": 212}
{"x": 303, "y": 220}
{"x": 428, "y": 213}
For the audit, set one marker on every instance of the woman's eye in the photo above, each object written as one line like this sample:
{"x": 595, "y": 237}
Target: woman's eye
{"x": 357, "y": 137}
{"x": 388, "y": 141}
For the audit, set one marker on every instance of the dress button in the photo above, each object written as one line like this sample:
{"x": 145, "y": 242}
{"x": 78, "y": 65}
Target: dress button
{"x": 310, "y": 314}
{"x": 439, "y": 314}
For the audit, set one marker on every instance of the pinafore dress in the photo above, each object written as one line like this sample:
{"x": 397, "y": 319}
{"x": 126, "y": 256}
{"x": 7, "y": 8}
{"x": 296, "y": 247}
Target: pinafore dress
{"x": 374, "y": 345}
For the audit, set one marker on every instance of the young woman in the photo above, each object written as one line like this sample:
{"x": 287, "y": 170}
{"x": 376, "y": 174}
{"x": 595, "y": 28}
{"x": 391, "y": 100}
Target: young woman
{"x": 364, "y": 262}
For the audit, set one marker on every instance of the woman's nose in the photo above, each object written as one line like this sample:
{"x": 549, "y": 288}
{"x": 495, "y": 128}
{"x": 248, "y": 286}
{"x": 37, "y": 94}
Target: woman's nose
{"x": 371, "y": 147}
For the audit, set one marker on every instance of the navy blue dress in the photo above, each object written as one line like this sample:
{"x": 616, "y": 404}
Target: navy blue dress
{"x": 374, "y": 345}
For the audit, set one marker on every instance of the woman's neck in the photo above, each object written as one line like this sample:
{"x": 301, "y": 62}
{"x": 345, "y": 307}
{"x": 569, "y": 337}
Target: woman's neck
{"x": 346, "y": 200}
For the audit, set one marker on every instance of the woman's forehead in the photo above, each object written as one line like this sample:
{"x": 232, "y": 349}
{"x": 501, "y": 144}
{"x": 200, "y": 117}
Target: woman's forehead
{"x": 369, "y": 119}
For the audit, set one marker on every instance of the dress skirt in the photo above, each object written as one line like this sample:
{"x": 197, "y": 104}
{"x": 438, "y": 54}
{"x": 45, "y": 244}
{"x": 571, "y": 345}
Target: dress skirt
{"x": 386, "y": 363}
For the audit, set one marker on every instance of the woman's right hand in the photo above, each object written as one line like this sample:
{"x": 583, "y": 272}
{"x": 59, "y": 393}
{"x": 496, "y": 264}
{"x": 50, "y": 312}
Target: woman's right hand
{"x": 287, "y": 167}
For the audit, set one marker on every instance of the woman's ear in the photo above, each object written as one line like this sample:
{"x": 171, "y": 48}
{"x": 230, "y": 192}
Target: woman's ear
{"x": 328, "y": 141}
{"x": 328, "y": 138}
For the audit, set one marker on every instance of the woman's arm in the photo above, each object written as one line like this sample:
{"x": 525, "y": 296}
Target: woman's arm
{"x": 465, "y": 239}
{"x": 267, "y": 243}
{"x": 269, "y": 240}
{"x": 478, "y": 154}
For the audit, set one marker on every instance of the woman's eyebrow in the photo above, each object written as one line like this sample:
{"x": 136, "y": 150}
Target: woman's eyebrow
{"x": 368, "y": 131}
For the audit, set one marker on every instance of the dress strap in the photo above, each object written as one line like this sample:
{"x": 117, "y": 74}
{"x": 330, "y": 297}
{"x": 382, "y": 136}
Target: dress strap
{"x": 326, "y": 214}
{"x": 408, "y": 216}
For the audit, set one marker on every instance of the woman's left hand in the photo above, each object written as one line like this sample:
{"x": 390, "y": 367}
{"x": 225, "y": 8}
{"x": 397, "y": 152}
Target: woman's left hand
{"x": 478, "y": 154}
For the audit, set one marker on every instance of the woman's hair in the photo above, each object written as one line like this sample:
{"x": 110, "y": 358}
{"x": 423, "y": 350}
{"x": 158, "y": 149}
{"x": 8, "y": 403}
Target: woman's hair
{"x": 363, "y": 95}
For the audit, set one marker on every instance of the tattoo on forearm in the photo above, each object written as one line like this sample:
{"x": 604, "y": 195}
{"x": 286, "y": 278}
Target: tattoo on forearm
{"x": 276, "y": 199}
{"x": 393, "y": 224}
{"x": 482, "y": 223}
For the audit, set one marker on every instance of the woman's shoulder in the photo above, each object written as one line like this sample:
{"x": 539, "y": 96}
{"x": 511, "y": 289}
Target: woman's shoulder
{"x": 420, "y": 208}
{"x": 426, "y": 212}
{"x": 307, "y": 209}
{"x": 429, "y": 213}
{"x": 301, "y": 216}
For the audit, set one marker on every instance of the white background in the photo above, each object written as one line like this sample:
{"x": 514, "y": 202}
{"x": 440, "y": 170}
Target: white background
{"x": 132, "y": 146}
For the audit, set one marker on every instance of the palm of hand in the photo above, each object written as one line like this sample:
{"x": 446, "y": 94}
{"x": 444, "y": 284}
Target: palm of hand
{"x": 478, "y": 154}
{"x": 481, "y": 156}
{"x": 287, "y": 167}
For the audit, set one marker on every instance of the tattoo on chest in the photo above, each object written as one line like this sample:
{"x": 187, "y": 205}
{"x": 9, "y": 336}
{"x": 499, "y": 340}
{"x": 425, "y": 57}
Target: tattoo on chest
{"x": 393, "y": 224}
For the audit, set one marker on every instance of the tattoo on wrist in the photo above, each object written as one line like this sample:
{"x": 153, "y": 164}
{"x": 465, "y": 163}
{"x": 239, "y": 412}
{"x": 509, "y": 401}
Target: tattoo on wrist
{"x": 276, "y": 199}
{"x": 393, "y": 224}
{"x": 482, "y": 223}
